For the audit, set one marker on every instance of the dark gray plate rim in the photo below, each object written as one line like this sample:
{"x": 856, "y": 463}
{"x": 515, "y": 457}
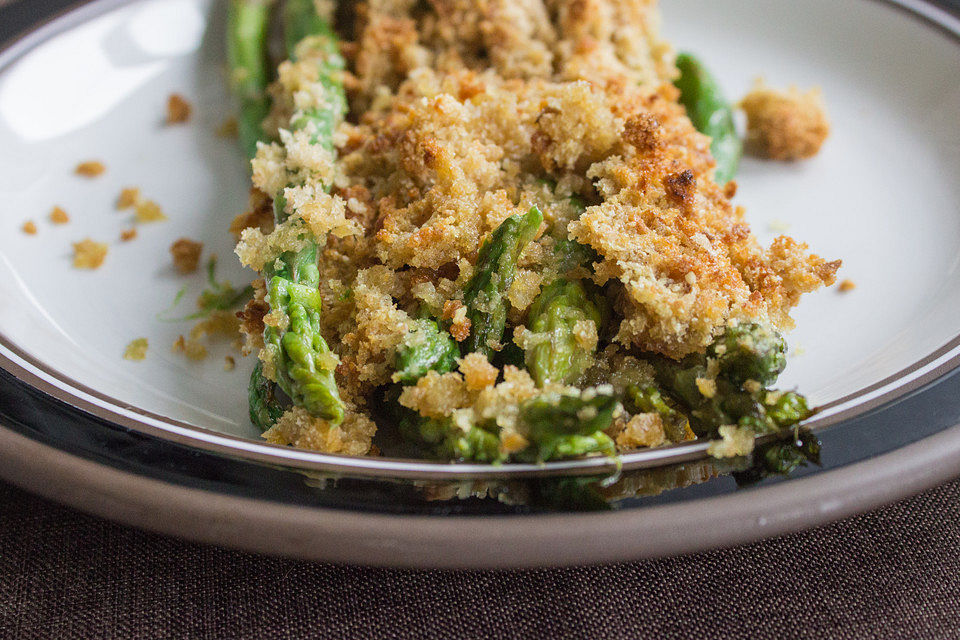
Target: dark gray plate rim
{"x": 407, "y": 540}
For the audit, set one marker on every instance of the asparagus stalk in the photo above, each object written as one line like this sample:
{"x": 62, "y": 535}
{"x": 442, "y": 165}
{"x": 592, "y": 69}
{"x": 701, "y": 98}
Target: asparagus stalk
{"x": 558, "y": 356}
{"x": 429, "y": 348}
{"x": 248, "y": 23}
{"x": 442, "y": 439}
{"x": 301, "y": 359}
{"x": 247, "y": 27}
{"x": 555, "y": 425}
{"x": 566, "y": 426}
{"x": 265, "y": 407}
{"x": 745, "y": 352}
{"x": 486, "y": 294}
{"x": 710, "y": 113}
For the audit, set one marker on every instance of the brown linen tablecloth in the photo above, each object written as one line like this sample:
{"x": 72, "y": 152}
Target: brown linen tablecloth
{"x": 893, "y": 573}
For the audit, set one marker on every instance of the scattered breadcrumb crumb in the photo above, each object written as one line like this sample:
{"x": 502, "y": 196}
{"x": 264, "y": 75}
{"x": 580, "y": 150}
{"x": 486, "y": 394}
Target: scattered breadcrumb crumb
{"x": 29, "y": 227}
{"x": 90, "y": 169}
{"x": 847, "y": 285}
{"x": 642, "y": 430}
{"x": 136, "y": 350}
{"x": 192, "y": 349}
{"x": 178, "y": 109}
{"x": 228, "y": 128}
{"x": 224, "y": 324}
{"x": 186, "y": 255}
{"x": 735, "y": 441}
{"x": 59, "y": 216}
{"x": 89, "y": 254}
{"x": 229, "y": 364}
{"x": 128, "y": 198}
{"x": 478, "y": 372}
{"x": 785, "y": 125}
{"x": 128, "y": 234}
{"x": 149, "y": 211}
{"x": 707, "y": 387}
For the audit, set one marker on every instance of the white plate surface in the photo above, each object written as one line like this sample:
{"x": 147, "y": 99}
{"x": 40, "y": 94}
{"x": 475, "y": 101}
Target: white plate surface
{"x": 883, "y": 195}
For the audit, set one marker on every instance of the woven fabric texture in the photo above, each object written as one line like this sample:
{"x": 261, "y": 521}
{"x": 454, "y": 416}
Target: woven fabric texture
{"x": 893, "y": 573}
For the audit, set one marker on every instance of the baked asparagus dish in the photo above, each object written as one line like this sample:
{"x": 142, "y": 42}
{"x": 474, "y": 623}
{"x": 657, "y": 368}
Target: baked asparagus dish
{"x": 501, "y": 231}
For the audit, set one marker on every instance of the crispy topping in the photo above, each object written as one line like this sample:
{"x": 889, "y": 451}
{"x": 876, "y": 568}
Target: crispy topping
{"x": 88, "y": 254}
{"x": 90, "y": 169}
{"x": 186, "y": 255}
{"x": 178, "y": 109}
{"x": 785, "y": 125}
{"x": 59, "y": 216}
{"x": 136, "y": 350}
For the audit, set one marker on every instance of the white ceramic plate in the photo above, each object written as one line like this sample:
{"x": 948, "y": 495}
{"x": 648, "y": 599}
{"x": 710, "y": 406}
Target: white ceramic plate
{"x": 882, "y": 195}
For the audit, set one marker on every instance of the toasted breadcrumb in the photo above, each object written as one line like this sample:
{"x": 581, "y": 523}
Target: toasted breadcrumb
{"x": 90, "y": 169}
{"x": 178, "y": 109}
{"x": 128, "y": 234}
{"x": 251, "y": 318}
{"x": 228, "y": 128}
{"x": 222, "y": 324}
{"x": 477, "y": 371}
{"x": 298, "y": 428}
{"x": 89, "y": 254}
{"x": 59, "y": 216}
{"x": 148, "y": 211}
{"x": 785, "y": 125}
{"x": 229, "y": 364}
{"x": 707, "y": 387}
{"x": 29, "y": 227}
{"x": 734, "y": 441}
{"x": 136, "y": 350}
{"x": 641, "y": 430}
{"x": 186, "y": 255}
{"x": 128, "y": 198}
{"x": 259, "y": 215}
{"x": 847, "y": 285}
{"x": 192, "y": 349}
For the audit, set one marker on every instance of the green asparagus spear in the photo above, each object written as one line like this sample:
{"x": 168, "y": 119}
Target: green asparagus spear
{"x": 440, "y": 438}
{"x": 710, "y": 113}
{"x": 265, "y": 407}
{"x": 557, "y": 426}
{"x": 565, "y": 426}
{"x": 302, "y": 360}
{"x": 486, "y": 294}
{"x": 745, "y": 352}
{"x": 301, "y": 21}
{"x": 570, "y": 254}
{"x": 786, "y": 408}
{"x": 749, "y": 351}
{"x": 558, "y": 356}
{"x": 428, "y": 348}
{"x": 247, "y": 26}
